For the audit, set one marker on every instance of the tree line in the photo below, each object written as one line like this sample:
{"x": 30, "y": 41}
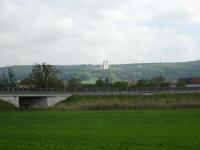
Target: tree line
{"x": 47, "y": 76}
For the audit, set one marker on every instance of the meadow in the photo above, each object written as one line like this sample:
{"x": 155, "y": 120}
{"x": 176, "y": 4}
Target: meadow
{"x": 169, "y": 129}
{"x": 130, "y": 102}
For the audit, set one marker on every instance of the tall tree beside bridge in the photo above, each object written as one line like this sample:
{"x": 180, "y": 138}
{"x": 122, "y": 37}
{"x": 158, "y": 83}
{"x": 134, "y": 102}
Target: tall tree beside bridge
{"x": 8, "y": 79}
{"x": 44, "y": 76}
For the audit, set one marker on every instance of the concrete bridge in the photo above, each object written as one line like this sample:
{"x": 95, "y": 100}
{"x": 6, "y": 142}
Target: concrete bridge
{"x": 34, "y": 100}
{"x": 44, "y": 98}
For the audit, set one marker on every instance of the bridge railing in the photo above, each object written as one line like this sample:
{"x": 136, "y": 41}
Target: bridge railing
{"x": 97, "y": 91}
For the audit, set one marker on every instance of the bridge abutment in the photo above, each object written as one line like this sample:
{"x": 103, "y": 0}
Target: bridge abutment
{"x": 11, "y": 99}
{"x": 34, "y": 101}
{"x": 53, "y": 100}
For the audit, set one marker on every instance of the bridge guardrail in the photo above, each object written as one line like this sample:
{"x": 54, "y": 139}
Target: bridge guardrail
{"x": 97, "y": 91}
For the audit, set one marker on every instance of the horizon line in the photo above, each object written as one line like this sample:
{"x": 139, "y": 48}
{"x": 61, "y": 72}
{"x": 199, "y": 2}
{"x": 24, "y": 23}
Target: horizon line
{"x": 100, "y": 63}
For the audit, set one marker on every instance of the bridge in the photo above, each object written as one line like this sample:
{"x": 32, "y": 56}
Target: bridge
{"x": 44, "y": 98}
{"x": 33, "y": 100}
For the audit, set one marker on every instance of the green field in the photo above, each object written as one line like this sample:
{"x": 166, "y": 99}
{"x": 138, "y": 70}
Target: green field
{"x": 125, "y": 102}
{"x": 174, "y": 129}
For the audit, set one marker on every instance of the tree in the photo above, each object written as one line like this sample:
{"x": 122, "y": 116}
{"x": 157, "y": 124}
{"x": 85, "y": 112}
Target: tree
{"x": 120, "y": 84}
{"x": 74, "y": 82}
{"x": 151, "y": 84}
{"x": 99, "y": 83}
{"x": 107, "y": 82}
{"x": 181, "y": 83}
{"x": 8, "y": 79}
{"x": 165, "y": 84}
{"x": 141, "y": 83}
{"x": 11, "y": 78}
{"x": 44, "y": 76}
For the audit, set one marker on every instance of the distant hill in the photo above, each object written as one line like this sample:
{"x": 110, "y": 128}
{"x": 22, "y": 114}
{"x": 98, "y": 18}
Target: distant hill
{"x": 89, "y": 73}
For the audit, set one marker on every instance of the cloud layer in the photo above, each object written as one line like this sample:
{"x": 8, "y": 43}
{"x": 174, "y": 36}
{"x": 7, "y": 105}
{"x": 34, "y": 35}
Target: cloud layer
{"x": 88, "y": 31}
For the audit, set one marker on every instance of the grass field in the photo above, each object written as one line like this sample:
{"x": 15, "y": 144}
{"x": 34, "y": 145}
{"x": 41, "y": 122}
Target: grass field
{"x": 123, "y": 102}
{"x": 177, "y": 129}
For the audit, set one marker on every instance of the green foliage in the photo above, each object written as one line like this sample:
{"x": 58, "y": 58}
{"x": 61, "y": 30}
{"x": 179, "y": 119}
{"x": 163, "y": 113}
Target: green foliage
{"x": 100, "y": 83}
{"x": 164, "y": 84}
{"x": 84, "y": 76}
{"x": 124, "y": 102}
{"x": 120, "y": 84}
{"x": 44, "y": 76}
{"x": 74, "y": 83}
{"x": 55, "y": 83}
{"x": 171, "y": 71}
{"x": 181, "y": 83}
{"x": 8, "y": 79}
{"x": 88, "y": 85}
{"x": 152, "y": 83}
{"x": 141, "y": 83}
{"x": 100, "y": 130}
{"x": 107, "y": 82}
{"x": 103, "y": 83}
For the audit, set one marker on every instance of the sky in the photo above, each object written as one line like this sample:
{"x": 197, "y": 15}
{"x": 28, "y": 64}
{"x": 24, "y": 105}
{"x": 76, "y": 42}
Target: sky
{"x": 89, "y": 31}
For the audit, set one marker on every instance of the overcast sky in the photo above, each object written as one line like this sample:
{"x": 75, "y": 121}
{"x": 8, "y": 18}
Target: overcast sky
{"x": 89, "y": 31}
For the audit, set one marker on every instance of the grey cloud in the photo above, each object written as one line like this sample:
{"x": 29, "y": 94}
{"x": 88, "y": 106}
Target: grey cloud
{"x": 88, "y": 31}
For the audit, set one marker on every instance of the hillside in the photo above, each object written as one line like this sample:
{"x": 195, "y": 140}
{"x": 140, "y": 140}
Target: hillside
{"x": 89, "y": 73}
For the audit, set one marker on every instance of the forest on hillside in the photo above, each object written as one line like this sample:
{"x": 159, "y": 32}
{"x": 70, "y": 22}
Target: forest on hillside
{"x": 90, "y": 73}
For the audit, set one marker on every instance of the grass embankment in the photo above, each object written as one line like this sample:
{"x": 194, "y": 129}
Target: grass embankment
{"x": 5, "y": 106}
{"x": 191, "y": 100}
{"x": 101, "y": 130}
